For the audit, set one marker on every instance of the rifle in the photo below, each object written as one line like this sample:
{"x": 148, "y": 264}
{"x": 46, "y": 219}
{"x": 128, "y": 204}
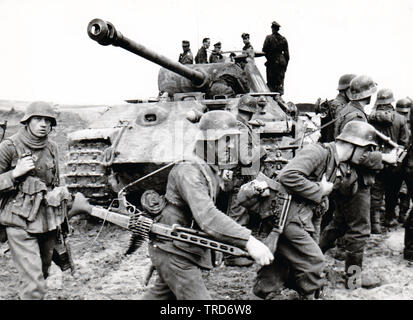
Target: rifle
{"x": 401, "y": 151}
{"x": 279, "y": 210}
{"x": 62, "y": 254}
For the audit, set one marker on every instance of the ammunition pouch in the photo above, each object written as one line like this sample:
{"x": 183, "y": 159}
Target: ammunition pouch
{"x": 382, "y": 117}
{"x": 27, "y": 201}
{"x": 56, "y": 201}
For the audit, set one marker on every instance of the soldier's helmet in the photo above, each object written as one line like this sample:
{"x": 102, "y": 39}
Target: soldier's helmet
{"x": 384, "y": 96}
{"x": 361, "y": 87}
{"x": 358, "y": 133}
{"x": 403, "y": 105}
{"x": 248, "y": 103}
{"x": 39, "y": 109}
{"x": 216, "y": 124}
{"x": 344, "y": 81}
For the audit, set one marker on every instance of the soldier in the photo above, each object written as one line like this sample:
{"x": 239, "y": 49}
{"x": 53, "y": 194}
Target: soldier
{"x": 276, "y": 51}
{"x": 186, "y": 57}
{"x": 247, "y": 48}
{"x": 408, "y": 168}
{"x": 331, "y": 108}
{"x": 28, "y": 171}
{"x": 309, "y": 177}
{"x": 202, "y": 55}
{"x": 250, "y": 155}
{"x": 359, "y": 92}
{"x": 191, "y": 191}
{"x": 351, "y": 218}
{"x": 403, "y": 107}
{"x": 216, "y": 55}
{"x": 388, "y": 181}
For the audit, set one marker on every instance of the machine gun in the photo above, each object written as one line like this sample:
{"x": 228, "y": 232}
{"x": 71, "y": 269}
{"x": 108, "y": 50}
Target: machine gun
{"x": 143, "y": 226}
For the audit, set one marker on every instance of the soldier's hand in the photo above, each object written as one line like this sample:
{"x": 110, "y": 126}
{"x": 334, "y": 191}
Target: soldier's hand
{"x": 23, "y": 166}
{"x": 326, "y": 186}
{"x": 259, "y": 251}
{"x": 391, "y": 157}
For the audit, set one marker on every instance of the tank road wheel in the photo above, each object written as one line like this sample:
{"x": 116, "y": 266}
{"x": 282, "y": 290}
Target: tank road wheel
{"x": 86, "y": 171}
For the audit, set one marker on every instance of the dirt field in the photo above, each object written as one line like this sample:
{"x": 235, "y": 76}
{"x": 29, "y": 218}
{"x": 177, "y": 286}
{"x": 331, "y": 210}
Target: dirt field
{"x": 103, "y": 271}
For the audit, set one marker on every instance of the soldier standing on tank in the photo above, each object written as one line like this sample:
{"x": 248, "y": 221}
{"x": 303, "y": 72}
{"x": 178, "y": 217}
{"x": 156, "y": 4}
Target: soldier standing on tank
{"x": 216, "y": 55}
{"x": 28, "y": 170}
{"x": 186, "y": 57}
{"x": 192, "y": 188}
{"x": 351, "y": 218}
{"x": 388, "y": 181}
{"x": 276, "y": 51}
{"x": 202, "y": 55}
{"x": 247, "y": 48}
{"x": 403, "y": 107}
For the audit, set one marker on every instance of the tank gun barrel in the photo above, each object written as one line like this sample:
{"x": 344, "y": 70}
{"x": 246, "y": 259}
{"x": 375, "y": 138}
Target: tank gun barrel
{"x": 105, "y": 34}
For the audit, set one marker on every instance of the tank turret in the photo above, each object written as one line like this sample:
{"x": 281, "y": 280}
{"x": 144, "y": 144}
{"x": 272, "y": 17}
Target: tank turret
{"x": 129, "y": 141}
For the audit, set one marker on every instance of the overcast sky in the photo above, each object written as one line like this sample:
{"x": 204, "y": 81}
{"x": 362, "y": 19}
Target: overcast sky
{"x": 46, "y": 53}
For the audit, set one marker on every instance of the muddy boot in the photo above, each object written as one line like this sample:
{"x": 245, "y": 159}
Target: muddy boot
{"x": 408, "y": 238}
{"x": 390, "y": 222}
{"x": 402, "y": 215}
{"x": 375, "y": 222}
{"x": 355, "y": 278}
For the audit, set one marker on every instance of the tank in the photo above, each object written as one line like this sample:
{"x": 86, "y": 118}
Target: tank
{"x": 129, "y": 141}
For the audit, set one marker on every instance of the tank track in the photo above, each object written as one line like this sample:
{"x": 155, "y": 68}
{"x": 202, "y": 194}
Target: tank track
{"x": 86, "y": 171}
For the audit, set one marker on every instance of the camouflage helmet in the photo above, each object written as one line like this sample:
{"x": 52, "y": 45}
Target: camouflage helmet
{"x": 384, "y": 96}
{"x": 247, "y": 103}
{"x": 344, "y": 81}
{"x": 358, "y": 133}
{"x": 361, "y": 87}
{"x": 215, "y": 124}
{"x": 403, "y": 105}
{"x": 39, "y": 109}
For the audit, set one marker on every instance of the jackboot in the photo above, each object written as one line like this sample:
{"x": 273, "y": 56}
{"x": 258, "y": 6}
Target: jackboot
{"x": 355, "y": 278}
{"x": 408, "y": 239}
{"x": 402, "y": 215}
{"x": 375, "y": 222}
{"x": 390, "y": 220}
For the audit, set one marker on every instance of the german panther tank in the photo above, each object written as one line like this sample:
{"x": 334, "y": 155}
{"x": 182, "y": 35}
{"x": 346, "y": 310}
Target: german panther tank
{"x": 132, "y": 140}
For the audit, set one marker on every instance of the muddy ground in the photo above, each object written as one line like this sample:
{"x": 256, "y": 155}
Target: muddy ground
{"x": 103, "y": 271}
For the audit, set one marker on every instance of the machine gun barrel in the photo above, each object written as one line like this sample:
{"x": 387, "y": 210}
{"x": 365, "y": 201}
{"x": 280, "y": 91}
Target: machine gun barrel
{"x": 105, "y": 34}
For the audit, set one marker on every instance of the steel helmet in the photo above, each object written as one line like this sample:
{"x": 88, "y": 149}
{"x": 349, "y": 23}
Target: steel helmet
{"x": 361, "y": 87}
{"x": 344, "y": 81}
{"x": 384, "y": 96}
{"x": 248, "y": 103}
{"x": 39, "y": 109}
{"x": 358, "y": 133}
{"x": 217, "y": 123}
{"x": 403, "y": 105}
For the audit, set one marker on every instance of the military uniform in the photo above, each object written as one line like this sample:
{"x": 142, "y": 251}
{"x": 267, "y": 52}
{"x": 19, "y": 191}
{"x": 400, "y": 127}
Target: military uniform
{"x": 201, "y": 56}
{"x": 215, "y": 57}
{"x": 389, "y": 180}
{"x": 31, "y": 234}
{"x": 351, "y": 111}
{"x": 191, "y": 192}
{"x": 298, "y": 261}
{"x": 276, "y": 51}
{"x": 186, "y": 57}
